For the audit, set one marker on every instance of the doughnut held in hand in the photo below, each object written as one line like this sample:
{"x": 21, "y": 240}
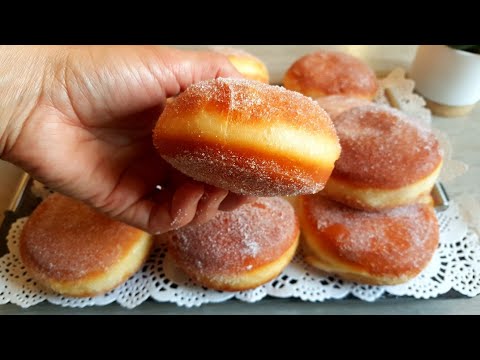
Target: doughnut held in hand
{"x": 75, "y": 251}
{"x": 378, "y": 248}
{"x": 238, "y": 250}
{"x": 249, "y": 138}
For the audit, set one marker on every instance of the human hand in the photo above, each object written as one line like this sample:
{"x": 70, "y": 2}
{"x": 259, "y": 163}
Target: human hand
{"x": 80, "y": 119}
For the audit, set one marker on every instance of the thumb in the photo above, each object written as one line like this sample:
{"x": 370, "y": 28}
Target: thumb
{"x": 189, "y": 67}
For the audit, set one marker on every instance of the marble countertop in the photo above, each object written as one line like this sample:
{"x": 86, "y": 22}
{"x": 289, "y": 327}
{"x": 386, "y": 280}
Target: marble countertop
{"x": 463, "y": 132}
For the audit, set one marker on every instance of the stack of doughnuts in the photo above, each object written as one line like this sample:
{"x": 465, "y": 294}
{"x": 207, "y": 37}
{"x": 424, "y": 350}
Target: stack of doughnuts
{"x": 374, "y": 221}
{"x": 361, "y": 174}
{"x": 252, "y": 139}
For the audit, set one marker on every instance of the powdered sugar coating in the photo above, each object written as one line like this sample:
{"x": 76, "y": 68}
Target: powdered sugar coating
{"x": 388, "y": 243}
{"x": 220, "y": 162}
{"x": 65, "y": 239}
{"x": 247, "y": 101}
{"x": 238, "y": 241}
{"x": 334, "y": 105}
{"x": 331, "y": 73}
{"x": 383, "y": 148}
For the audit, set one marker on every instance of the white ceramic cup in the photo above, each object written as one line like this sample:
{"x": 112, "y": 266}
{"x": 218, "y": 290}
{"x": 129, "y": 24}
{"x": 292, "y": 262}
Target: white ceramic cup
{"x": 446, "y": 75}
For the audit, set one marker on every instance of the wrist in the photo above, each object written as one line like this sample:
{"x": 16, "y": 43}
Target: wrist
{"x": 23, "y": 71}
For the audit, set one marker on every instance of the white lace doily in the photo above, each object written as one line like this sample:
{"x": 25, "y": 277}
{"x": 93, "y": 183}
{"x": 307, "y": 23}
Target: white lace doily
{"x": 455, "y": 265}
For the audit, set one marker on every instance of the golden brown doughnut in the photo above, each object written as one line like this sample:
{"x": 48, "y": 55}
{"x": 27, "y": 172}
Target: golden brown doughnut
{"x": 380, "y": 248}
{"x": 238, "y": 250}
{"x": 331, "y": 73}
{"x": 75, "y": 251}
{"x": 334, "y": 105}
{"x": 248, "y": 65}
{"x": 387, "y": 159}
{"x": 249, "y": 138}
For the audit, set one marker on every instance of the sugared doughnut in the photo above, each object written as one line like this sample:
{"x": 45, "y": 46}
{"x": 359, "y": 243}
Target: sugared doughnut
{"x": 334, "y": 105}
{"x": 248, "y": 65}
{"x": 331, "y": 73}
{"x": 249, "y": 138}
{"x": 387, "y": 159}
{"x": 75, "y": 251}
{"x": 380, "y": 248}
{"x": 238, "y": 250}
